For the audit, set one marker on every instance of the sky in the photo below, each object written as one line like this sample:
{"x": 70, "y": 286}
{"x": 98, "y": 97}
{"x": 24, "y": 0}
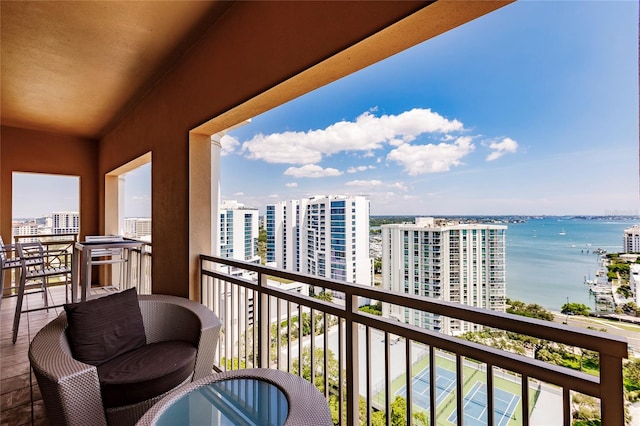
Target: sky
{"x": 531, "y": 110}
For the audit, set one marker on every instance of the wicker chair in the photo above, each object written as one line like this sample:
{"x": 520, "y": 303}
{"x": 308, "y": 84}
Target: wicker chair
{"x": 70, "y": 389}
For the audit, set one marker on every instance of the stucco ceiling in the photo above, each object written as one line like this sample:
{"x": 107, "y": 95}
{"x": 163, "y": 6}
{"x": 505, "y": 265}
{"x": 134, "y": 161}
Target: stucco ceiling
{"x": 75, "y": 67}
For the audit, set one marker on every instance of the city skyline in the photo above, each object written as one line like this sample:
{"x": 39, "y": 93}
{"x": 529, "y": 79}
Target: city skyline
{"x": 530, "y": 110}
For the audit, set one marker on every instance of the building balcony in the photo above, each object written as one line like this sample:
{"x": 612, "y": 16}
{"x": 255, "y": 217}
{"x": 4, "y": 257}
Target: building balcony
{"x": 362, "y": 362}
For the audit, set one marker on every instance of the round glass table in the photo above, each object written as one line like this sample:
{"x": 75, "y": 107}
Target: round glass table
{"x": 255, "y": 396}
{"x": 229, "y": 402}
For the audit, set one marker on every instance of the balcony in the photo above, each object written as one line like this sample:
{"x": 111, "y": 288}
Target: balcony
{"x": 370, "y": 360}
{"x": 102, "y": 109}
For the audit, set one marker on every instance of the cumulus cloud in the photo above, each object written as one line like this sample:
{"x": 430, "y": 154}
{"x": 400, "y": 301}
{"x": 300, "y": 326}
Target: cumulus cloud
{"x": 367, "y": 133}
{"x": 506, "y": 146}
{"x": 291, "y": 185}
{"x": 229, "y": 145}
{"x": 359, "y": 169}
{"x": 311, "y": 171}
{"x": 431, "y": 158}
{"x": 364, "y": 183}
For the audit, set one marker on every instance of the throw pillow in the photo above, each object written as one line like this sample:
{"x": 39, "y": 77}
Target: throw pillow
{"x": 101, "y": 329}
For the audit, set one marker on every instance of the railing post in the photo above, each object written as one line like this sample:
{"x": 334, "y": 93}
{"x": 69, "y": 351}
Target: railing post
{"x": 352, "y": 360}
{"x": 263, "y": 325}
{"x": 611, "y": 387}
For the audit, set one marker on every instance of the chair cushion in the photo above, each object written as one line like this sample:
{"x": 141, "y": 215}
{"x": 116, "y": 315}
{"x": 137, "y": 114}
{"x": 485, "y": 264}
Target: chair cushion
{"x": 145, "y": 372}
{"x": 101, "y": 329}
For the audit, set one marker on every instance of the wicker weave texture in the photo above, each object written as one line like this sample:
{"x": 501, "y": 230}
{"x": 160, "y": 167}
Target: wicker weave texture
{"x": 307, "y": 406}
{"x": 71, "y": 390}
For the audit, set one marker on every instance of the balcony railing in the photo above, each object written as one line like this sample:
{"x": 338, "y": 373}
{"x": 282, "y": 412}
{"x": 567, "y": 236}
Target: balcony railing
{"x": 363, "y": 363}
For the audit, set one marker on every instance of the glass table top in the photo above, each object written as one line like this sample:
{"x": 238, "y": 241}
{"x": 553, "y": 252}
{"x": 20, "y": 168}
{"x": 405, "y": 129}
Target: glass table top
{"x": 233, "y": 402}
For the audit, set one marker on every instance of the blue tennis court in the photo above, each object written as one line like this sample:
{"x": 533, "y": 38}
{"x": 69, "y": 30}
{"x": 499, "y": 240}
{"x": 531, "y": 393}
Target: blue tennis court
{"x": 475, "y": 406}
{"x": 445, "y": 383}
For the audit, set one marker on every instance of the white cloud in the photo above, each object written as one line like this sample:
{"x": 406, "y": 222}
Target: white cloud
{"x": 431, "y": 158}
{"x": 400, "y": 186}
{"x": 229, "y": 145}
{"x": 364, "y": 183}
{"x": 238, "y": 194}
{"x": 311, "y": 171}
{"x": 507, "y": 146}
{"x": 367, "y": 133}
{"x": 291, "y": 185}
{"x": 359, "y": 169}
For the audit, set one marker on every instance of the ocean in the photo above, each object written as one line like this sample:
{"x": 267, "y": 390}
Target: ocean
{"x": 548, "y": 259}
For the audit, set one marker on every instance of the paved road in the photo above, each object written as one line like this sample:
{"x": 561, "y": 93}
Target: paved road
{"x": 628, "y": 330}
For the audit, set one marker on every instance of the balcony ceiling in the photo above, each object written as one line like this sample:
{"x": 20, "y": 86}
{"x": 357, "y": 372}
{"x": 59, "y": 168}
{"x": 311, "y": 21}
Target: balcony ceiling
{"x": 76, "y": 67}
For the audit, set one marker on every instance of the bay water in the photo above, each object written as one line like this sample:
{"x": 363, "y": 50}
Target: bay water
{"x": 548, "y": 259}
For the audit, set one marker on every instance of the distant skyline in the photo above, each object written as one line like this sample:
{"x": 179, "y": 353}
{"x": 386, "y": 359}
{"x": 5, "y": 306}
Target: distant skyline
{"x": 529, "y": 110}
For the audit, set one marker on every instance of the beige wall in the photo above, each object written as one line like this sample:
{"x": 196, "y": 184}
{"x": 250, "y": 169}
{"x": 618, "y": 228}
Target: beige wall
{"x": 36, "y": 152}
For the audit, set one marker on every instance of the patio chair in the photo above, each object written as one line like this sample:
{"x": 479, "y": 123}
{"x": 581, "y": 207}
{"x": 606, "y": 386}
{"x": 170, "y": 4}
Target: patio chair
{"x": 79, "y": 393}
{"x": 37, "y": 267}
{"x": 8, "y": 260}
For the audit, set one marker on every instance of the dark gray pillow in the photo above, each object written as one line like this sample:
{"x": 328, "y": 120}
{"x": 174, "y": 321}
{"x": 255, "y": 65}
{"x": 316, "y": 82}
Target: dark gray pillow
{"x": 101, "y": 329}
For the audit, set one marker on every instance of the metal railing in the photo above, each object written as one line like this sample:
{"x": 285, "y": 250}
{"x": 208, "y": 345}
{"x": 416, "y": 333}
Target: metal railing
{"x": 58, "y": 250}
{"x": 371, "y": 366}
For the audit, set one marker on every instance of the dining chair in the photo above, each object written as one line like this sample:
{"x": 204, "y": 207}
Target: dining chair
{"x": 38, "y": 265}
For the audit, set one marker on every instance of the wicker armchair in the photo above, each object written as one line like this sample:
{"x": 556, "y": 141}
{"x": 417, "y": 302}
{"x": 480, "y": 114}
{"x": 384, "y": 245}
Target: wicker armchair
{"x": 70, "y": 389}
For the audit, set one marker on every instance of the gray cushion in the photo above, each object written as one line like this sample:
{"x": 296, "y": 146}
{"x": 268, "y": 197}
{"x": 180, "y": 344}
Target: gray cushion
{"x": 104, "y": 328}
{"x": 146, "y": 372}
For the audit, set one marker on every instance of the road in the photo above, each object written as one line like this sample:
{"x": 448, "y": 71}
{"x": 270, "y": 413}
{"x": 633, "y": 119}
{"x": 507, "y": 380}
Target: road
{"x": 630, "y": 331}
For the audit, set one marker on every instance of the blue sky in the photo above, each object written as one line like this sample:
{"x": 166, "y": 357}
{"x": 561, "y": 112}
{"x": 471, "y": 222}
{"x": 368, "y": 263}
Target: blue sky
{"x": 532, "y": 109}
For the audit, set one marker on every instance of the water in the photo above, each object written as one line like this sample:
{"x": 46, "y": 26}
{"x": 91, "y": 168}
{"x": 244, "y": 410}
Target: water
{"x": 547, "y": 268}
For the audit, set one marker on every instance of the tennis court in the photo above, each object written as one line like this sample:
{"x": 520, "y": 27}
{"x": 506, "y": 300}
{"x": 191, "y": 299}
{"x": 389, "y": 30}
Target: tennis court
{"x": 475, "y": 406}
{"x": 475, "y": 400}
{"x": 445, "y": 383}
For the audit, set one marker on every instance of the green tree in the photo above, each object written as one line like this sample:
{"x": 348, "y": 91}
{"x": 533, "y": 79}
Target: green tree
{"x": 532, "y": 310}
{"x": 575, "y": 309}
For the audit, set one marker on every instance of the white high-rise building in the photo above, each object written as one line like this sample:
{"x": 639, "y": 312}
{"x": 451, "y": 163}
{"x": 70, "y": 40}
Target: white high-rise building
{"x": 239, "y": 232}
{"x": 65, "y": 223}
{"x": 451, "y": 261}
{"x": 631, "y": 242}
{"x": 326, "y": 236}
{"x": 138, "y": 228}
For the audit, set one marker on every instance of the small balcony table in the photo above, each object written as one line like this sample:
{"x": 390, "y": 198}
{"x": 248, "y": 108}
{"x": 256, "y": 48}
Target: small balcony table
{"x": 258, "y": 396}
{"x": 82, "y": 262}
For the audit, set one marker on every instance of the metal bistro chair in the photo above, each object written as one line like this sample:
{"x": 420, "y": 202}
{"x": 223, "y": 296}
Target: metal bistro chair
{"x": 38, "y": 265}
{"x": 7, "y": 262}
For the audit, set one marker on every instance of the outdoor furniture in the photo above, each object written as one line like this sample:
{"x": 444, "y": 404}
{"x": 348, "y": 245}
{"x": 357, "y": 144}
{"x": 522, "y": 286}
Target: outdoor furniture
{"x": 8, "y": 260}
{"x": 38, "y": 266}
{"x": 100, "y": 250}
{"x": 116, "y": 391}
{"x": 257, "y": 396}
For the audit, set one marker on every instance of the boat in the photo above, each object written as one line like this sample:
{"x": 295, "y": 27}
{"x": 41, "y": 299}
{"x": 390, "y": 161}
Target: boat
{"x": 563, "y": 232}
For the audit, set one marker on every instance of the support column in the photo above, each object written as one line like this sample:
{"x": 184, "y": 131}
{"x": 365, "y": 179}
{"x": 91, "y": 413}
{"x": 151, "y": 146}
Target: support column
{"x": 204, "y": 194}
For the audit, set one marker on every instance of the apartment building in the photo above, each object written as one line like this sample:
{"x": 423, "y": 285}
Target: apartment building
{"x": 138, "y": 228}
{"x": 451, "y": 261}
{"x": 631, "y": 241}
{"x": 65, "y": 223}
{"x": 326, "y": 236}
{"x": 239, "y": 231}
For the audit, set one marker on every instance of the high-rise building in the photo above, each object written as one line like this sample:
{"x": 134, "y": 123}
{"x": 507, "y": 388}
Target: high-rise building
{"x": 138, "y": 228}
{"x": 326, "y": 236}
{"x": 65, "y": 223}
{"x": 239, "y": 232}
{"x": 451, "y": 261}
{"x": 631, "y": 242}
